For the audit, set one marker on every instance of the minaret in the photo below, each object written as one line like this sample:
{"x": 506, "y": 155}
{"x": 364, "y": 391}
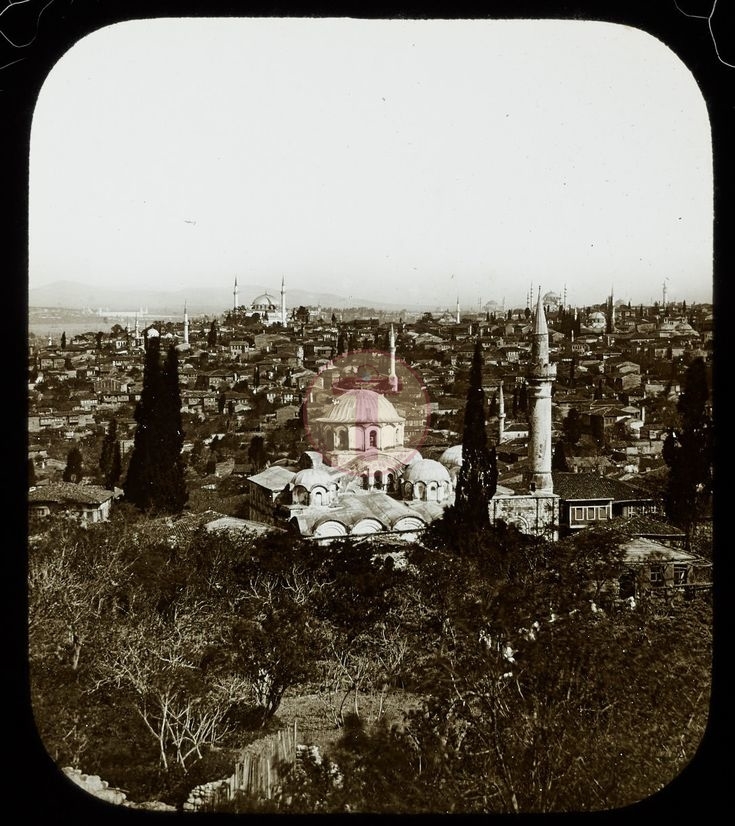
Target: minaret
{"x": 137, "y": 330}
{"x": 234, "y": 295}
{"x": 457, "y": 312}
{"x": 392, "y": 377}
{"x": 540, "y": 376}
{"x": 612, "y": 309}
{"x": 186, "y": 325}
{"x": 283, "y": 300}
{"x": 501, "y": 413}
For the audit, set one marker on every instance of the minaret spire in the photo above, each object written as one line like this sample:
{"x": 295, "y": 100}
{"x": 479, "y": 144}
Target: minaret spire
{"x": 234, "y": 296}
{"x": 540, "y": 377}
{"x": 457, "y": 311}
{"x": 501, "y": 413}
{"x": 392, "y": 377}
{"x": 283, "y": 300}
{"x": 186, "y": 325}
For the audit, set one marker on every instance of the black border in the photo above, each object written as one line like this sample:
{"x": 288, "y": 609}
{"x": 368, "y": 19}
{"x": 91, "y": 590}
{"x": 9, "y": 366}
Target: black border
{"x": 42, "y": 32}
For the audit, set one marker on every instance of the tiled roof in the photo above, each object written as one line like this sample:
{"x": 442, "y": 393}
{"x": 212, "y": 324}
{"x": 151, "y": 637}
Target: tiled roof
{"x": 649, "y": 526}
{"x": 70, "y": 493}
{"x": 273, "y": 478}
{"x": 572, "y": 486}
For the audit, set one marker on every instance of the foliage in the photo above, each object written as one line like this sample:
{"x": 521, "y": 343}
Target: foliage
{"x": 572, "y": 427}
{"x": 73, "y": 470}
{"x": 478, "y": 475}
{"x": 110, "y": 462}
{"x": 688, "y": 451}
{"x": 156, "y": 644}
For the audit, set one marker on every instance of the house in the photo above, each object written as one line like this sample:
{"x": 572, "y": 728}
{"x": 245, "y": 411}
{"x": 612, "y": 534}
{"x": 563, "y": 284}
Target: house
{"x": 651, "y": 567}
{"x": 588, "y": 498}
{"x": 89, "y": 503}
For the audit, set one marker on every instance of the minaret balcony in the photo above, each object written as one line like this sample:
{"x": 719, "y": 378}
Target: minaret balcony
{"x": 542, "y": 371}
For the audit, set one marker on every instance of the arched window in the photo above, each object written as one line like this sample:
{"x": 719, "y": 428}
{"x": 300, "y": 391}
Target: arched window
{"x": 373, "y": 438}
{"x": 420, "y": 488}
{"x": 390, "y": 483}
{"x": 317, "y": 497}
{"x": 365, "y": 481}
{"x": 408, "y": 490}
{"x": 378, "y": 479}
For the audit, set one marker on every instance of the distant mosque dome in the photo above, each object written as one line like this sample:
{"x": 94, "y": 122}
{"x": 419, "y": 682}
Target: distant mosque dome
{"x": 426, "y": 470}
{"x": 362, "y": 407}
{"x": 551, "y": 298}
{"x": 152, "y": 332}
{"x": 452, "y": 457}
{"x": 264, "y": 303}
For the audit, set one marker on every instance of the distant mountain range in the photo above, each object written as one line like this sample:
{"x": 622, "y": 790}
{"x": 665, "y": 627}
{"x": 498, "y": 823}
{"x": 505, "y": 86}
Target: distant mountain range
{"x": 74, "y": 295}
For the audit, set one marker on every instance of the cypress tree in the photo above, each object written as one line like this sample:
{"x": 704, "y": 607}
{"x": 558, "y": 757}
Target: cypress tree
{"x": 155, "y": 480}
{"x": 141, "y": 469}
{"x": 73, "y": 470}
{"x": 687, "y": 451}
{"x": 478, "y": 475}
{"x": 170, "y": 494}
{"x": 110, "y": 459}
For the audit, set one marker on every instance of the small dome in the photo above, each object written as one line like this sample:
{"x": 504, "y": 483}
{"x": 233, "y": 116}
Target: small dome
{"x": 452, "y": 457}
{"x": 311, "y": 477}
{"x": 426, "y": 470}
{"x": 362, "y": 407}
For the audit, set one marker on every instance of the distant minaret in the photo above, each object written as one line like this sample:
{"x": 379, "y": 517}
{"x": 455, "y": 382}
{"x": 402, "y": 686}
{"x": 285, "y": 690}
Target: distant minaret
{"x": 663, "y": 306}
{"x": 501, "y": 413}
{"x": 540, "y": 376}
{"x": 186, "y": 325}
{"x": 392, "y": 377}
{"x": 137, "y": 329}
{"x": 235, "y": 304}
{"x": 612, "y": 309}
{"x": 457, "y": 312}
{"x": 283, "y": 300}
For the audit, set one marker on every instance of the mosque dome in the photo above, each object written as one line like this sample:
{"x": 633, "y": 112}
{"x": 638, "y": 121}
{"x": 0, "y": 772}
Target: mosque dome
{"x": 426, "y": 470}
{"x": 265, "y": 302}
{"x": 362, "y": 407}
{"x": 452, "y": 457}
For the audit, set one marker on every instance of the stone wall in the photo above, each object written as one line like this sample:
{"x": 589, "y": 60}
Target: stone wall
{"x": 92, "y": 784}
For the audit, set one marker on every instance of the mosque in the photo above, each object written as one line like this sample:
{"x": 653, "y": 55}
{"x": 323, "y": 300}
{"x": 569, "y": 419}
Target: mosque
{"x": 365, "y": 478}
{"x": 264, "y": 305}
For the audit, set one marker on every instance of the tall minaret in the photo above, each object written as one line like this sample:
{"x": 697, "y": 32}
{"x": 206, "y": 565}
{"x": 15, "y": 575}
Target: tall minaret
{"x": 235, "y": 304}
{"x": 392, "y": 377}
{"x": 186, "y": 325}
{"x": 283, "y": 300}
{"x": 540, "y": 376}
{"x": 501, "y": 413}
{"x": 137, "y": 329}
{"x": 457, "y": 311}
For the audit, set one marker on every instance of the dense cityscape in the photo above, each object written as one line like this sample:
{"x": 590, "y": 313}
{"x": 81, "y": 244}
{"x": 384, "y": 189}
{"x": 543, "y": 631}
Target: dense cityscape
{"x": 324, "y": 472}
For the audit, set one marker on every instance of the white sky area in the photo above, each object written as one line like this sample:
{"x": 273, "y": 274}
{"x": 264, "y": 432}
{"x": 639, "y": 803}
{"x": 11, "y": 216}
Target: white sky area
{"x": 408, "y": 161}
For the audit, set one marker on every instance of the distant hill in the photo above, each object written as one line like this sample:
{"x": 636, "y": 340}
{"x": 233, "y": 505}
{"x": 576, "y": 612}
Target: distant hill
{"x": 202, "y": 300}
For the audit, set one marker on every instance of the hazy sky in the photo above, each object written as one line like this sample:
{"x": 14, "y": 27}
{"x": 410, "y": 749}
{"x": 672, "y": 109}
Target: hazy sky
{"x": 410, "y": 161}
